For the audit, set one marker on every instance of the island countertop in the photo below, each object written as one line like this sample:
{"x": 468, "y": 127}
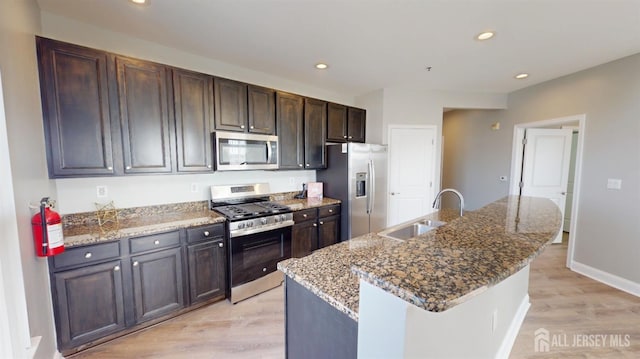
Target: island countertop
{"x": 436, "y": 270}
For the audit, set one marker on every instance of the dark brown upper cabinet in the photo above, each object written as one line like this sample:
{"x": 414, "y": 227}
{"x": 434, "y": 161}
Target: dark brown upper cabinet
{"x": 262, "y": 110}
{"x": 290, "y": 122}
{"x": 315, "y": 131}
{"x": 75, "y": 105}
{"x": 356, "y": 124}
{"x": 345, "y": 124}
{"x": 144, "y": 115}
{"x": 230, "y": 105}
{"x": 193, "y": 112}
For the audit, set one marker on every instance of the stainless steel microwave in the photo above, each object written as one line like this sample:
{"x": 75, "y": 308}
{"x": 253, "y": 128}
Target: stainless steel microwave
{"x": 236, "y": 151}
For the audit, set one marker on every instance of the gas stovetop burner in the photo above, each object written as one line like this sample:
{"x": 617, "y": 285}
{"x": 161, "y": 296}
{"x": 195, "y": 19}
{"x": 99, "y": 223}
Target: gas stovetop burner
{"x": 251, "y": 210}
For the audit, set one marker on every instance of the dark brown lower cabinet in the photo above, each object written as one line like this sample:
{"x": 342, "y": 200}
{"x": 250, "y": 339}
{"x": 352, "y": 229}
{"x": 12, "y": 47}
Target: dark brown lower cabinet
{"x": 314, "y": 228}
{"x": 157, "y": 284}
{"x": 206, "y": 270}
{"x": 101, "y": 291}
{"x": 89, "y": 303}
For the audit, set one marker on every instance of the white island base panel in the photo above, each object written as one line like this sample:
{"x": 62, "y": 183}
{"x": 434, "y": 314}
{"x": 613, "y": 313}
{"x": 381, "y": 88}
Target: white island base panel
{"x": 484, "y": 325}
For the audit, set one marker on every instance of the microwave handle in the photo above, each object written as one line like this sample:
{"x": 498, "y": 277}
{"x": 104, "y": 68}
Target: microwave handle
{"x": 269, "y": 152}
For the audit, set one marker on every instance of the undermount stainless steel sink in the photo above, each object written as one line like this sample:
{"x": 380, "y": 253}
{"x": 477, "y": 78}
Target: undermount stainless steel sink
{"x": 411, "y": 230}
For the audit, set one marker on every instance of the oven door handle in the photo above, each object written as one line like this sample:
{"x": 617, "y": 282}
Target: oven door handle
{"x": 244, "y": 231}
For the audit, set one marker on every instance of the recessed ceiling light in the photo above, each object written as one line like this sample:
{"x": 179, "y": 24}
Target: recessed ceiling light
{"x": 485, "y": 35}
{"x": 521, "y": 76}
{"x": 321, "y": 66}
{"x": 139, "y": 2}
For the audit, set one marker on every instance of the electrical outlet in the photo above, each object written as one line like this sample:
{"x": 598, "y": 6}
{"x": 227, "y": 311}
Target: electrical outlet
{"x": 503, "y": 178}
{"x": 101, "y": 191}
{"x": 194, "y": 188}
{"x": 614, "y": 183}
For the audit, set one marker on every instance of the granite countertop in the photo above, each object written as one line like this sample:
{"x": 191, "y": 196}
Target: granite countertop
{"x": 439, "y": 269}
{"x": 81, "y": 235}
{"x": 82, "y": 228}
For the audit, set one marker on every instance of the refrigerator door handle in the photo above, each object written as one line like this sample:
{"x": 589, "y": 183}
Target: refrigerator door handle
{"x": 372, "y": 190}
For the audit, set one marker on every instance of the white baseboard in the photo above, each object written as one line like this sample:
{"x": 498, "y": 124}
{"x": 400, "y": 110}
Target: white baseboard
{"x": 514, "y": 329}
{"x": 609, "y": 279}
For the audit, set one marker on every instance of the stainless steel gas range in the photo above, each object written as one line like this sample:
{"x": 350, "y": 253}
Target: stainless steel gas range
{"x": 259, "y": 233}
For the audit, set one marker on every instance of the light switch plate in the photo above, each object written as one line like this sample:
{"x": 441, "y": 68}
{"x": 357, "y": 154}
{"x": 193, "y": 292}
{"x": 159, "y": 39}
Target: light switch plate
{"x": 614, "y": 183}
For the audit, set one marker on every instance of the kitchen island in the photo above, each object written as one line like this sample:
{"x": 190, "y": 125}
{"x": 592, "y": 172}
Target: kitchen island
{"x": 469, "y": 278}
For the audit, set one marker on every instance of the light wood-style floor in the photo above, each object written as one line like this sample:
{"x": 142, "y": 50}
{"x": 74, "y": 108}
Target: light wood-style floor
{"x": 563, "y": 302}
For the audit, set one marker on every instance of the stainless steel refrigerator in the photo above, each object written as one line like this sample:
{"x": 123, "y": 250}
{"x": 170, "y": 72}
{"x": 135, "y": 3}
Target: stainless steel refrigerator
{"x": 356, "y": 174}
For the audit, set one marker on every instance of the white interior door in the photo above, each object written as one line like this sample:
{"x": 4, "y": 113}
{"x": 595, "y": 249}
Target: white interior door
{"x": 545, "y": 169}
{"x": 411, "y": 172}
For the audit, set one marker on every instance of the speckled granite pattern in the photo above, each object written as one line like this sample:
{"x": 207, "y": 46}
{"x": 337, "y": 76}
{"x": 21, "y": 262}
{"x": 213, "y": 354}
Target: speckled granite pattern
{"x": 300, "y": 204}
{"x": 82, "y": 228}
{"x": 440, "y": 268}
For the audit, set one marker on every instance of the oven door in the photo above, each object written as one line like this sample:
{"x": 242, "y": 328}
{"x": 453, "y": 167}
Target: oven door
{"x": 256, "y": 255}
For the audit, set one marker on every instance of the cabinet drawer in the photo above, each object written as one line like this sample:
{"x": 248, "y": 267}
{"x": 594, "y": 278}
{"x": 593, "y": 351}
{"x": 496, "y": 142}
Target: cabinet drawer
{"x": 156, "y": 241}
{"x": 87, "y": 254}
{"x": 329, "y": 210}
{"x": 305, "y": 215}
{"x": 203, "y": 233}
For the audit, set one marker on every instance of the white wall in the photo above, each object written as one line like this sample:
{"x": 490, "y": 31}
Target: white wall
{"x": 373, "y": 103}
{"x": 80, "y": 194}
{"x": 608, "y": 228}
{"x": 19, "y": 21}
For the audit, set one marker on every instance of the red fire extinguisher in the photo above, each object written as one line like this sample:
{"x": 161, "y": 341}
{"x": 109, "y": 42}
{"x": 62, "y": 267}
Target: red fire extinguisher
{"x": 47, "y": 231}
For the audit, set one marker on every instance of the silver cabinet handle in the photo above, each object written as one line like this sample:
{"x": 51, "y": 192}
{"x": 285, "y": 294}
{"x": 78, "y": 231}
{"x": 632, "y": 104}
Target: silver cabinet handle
{"x": 308, "y": 165}
{"x": 330, "y": 211}
{"x": 241, "y": 126}
{"x": 264, "y": 269}
{"x": 251, "y": 127}
{"x": 135, "y": 264}
{"x": 208, "y": 166}
{"x": 563, "y": 193}
{"x": 299, "y": 164}
{"x": 128, "y": 167}
{"x": 321, "y": 223}
{"x": 88, "y": 255}
{"x": 220, "y": 244}
{"x": 394, "y": 193}
{"x": 344, "y": 136}
{"x": 110, "y": 168}
{"x": 304, "y": 215}
{"x": 156, "y": 242}
{"x": 206, "y": 233}
{"x": 315, "y": 224}
{"x": 116, "y": 268}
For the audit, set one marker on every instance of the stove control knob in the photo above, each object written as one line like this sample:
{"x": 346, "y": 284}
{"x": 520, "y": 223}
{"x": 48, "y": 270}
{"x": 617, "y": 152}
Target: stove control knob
{"x": 276, "y": 219}
{"x": 240, "y": 225}
{"x": 263, "y": 220}
{"x": 283, "y": 217}
{"x": 249, "y": 224}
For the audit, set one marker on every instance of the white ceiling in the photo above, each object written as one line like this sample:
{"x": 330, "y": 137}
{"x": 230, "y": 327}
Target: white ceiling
{"x": 373, "y": 44}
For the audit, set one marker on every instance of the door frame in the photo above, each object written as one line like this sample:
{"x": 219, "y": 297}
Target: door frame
{"x": 516, "y": 167}
{"x": 435, "y": 165}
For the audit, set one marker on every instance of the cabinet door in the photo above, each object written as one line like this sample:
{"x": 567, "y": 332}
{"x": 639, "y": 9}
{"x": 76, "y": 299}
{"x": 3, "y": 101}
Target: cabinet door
{"x": 315, "y": 131}
{"x": 230, "y": 105}
{"x": 75, "y": 108}
{"x": 289, "y": 119}
{"x": 144, "y": 120}
{"x": 328, "y": 231}
{"x": 262, "y": 110}
{"x": 336, "y": 123}
{"x": 89, "y": 303}
{"x": 157, "y": 284}
{"x": 206, "y": 270}
{"x": 193, "y": 110}
{"x": 356, "y": 119}
{"x": 304, "y": 238}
